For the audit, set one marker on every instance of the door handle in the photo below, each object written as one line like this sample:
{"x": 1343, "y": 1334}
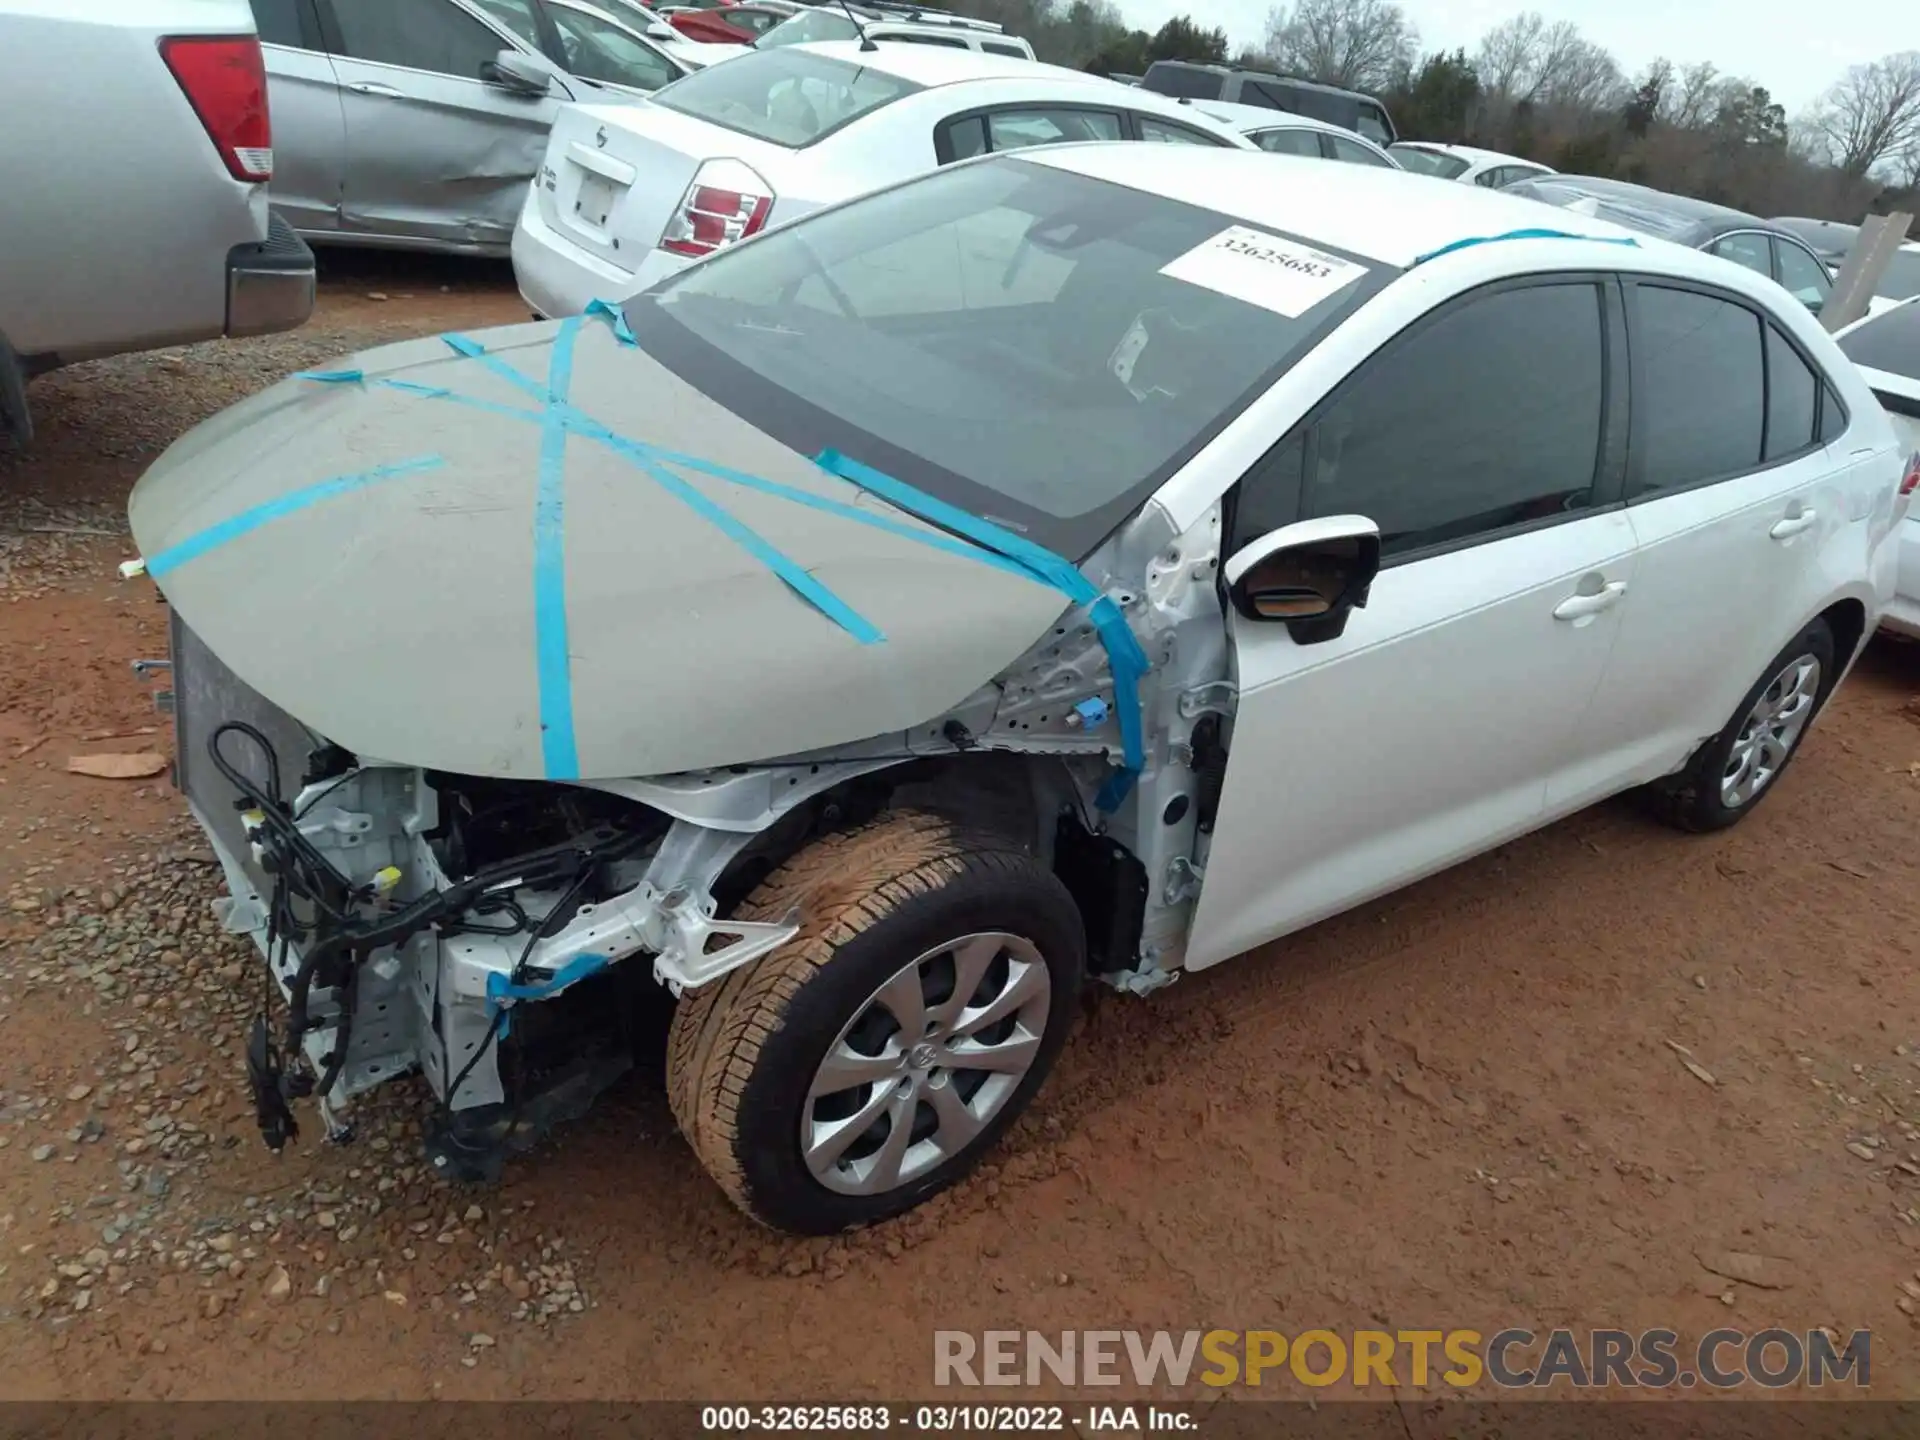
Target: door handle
{"x": 1791, "y": 526}
{"x": 370, "y": 87}
{"x": 1579, "y": 607}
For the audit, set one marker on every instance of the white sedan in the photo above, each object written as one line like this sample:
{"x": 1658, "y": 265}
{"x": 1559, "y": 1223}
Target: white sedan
{"x": 629, "y": 194}
{"x": 1886, "y": 348}
{"x": 1281, "y": 132}
{"x": 1468, "y": 164}
{"x": 1093, "y": 561}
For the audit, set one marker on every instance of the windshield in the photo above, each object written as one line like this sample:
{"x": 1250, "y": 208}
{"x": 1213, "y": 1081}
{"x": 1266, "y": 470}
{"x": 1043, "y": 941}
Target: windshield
{"x": 806, "y": 27}
{"x": 1890, "y": 342}
{"x": 1427, "y": 162}
{"x": 787, "y": 96}
{"x": 1032, "y": 345}
{"x": 598, "y": 49}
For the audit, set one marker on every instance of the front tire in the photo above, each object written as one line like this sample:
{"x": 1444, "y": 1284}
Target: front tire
{"x": 871, "y": 1061}
{"x": 1741, "y": 764}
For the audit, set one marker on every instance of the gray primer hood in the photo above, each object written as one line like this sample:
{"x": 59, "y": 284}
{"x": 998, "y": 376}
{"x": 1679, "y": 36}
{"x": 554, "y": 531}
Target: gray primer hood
{"x": 397, "y": 617}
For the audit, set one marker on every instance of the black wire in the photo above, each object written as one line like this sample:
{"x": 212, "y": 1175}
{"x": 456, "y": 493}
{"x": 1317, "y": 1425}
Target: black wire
{"x": 540, "y": 930}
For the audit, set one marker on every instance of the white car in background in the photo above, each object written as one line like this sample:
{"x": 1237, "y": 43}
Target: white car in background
{"x": 1466, "y": 163}
{"x": 628, "y": 195}
{"x": 1885, "y": 348}
{"x": 1281, "y": 133}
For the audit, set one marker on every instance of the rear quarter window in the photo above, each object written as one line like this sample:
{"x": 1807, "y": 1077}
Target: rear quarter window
{"x": 784, "y": 96}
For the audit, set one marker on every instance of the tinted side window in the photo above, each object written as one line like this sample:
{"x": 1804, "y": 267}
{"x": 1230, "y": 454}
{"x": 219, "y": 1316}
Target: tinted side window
{"x": 1803, "y": 277}
{"x": 419, "y": 34}
{"x": 1487, "y": 418}
{"x": 1016, "y": 129}
{"x": 1700, "y": 389}
{"x": 952, "y": 42}
{"x": 1163, "y": 133}
{"x": 1791, "y": 393}
{"x": 958, "y": 139}
{"x": 1372, "y": 123}
{"x": 278, "y": 22}
{"x": 1354, "y": 153}
{"x": 1746, "y": 249}
{"x": 517, "y": 16}
{"x": 998, "y": 47}
{"x": 1290, "y": 142}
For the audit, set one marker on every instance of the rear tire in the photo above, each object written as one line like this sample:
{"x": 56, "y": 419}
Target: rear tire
{"x": 1735, "y": 770}
{"x": 898, "y": 919}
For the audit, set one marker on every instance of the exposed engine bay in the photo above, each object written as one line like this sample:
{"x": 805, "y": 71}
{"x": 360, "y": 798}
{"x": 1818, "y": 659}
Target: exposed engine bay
{"x": 485, "y": 932}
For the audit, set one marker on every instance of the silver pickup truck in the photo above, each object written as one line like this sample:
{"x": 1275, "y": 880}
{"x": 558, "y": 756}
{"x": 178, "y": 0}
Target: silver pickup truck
{"x": 137, "y": 154}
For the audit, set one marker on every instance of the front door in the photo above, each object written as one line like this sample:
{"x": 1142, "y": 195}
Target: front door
{"x": 1485, "y": 443}
{"x": 435, "y": 153}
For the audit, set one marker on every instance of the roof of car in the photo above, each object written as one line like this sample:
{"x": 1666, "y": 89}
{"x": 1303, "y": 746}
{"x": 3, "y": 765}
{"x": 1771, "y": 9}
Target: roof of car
{"x": 1386, "y": 214}
{"x": 1268, "y": 75}
{"x": 1471, "y": 152}
{"x": 1248, "y": 118}
{"x": 931, "y": 65}
{"x": 1685, "y": 218}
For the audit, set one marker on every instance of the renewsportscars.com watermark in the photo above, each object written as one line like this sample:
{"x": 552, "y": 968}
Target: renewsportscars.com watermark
{"x": 1511, "y": 1359}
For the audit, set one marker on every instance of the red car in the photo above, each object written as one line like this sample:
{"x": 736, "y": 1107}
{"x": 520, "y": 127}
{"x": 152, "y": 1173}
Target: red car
{"x": 728, "y": 24}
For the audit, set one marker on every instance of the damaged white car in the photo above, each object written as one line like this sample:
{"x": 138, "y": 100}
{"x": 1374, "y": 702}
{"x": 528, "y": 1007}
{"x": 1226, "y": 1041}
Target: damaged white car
{"x": 1086, "y": 563}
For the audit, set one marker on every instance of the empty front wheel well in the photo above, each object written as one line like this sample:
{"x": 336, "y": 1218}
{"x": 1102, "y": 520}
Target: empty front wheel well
{"x": 1847, "y": 619}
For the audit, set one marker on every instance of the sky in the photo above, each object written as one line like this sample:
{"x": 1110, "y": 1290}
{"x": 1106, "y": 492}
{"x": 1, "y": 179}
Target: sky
{"x": 1793, "y": 48}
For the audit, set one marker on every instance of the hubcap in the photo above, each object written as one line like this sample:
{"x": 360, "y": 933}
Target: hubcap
{"x": 1771, "y": 731}
{"x": 925, "y": 1064}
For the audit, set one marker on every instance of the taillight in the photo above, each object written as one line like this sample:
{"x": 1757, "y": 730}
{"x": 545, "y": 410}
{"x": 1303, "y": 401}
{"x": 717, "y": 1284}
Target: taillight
{"x": 726, "y": 202}
{"x": 225, "y": 81}
{"x": 1911, "y": 480}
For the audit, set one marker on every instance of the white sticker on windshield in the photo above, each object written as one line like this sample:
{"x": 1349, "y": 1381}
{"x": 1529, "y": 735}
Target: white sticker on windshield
{"x": 1279, "y": 275}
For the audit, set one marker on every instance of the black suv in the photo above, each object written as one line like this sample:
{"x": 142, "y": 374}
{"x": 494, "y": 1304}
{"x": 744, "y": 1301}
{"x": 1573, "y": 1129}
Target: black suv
{"x": 1348, "y": 109}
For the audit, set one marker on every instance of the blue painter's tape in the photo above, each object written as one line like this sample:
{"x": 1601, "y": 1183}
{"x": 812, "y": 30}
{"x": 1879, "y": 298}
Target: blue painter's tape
{"x": 247, "y": 521}
{"x": 559, "y": 751}
{"x": 332, "y": 377}
{"x": 502, "y": 991}
{"x": 784, "y": 566}
{"x": 1124, "y": 655}
{"x": 1092, "y": 711}
{"x": 615, "y": 317}
{"x": 1527, "y": 234}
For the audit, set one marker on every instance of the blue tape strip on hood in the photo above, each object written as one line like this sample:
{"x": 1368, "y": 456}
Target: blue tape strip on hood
{"x": 1124, "y": 656}
{"x": 616, "y": 318}
{"x": 559, "y": 751}
{"x": 984, "y": 542}
{"x": 234, "y": 526}
{"x": 1527, "y": 234}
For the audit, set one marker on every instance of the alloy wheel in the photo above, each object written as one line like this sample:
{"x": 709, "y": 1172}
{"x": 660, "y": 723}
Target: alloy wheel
{"x": 927, "y": 1061}
{"x": 1773, "y": 727}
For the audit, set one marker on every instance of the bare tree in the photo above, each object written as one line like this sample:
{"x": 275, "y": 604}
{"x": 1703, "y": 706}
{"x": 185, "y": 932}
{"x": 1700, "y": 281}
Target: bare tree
{"x": 1872, "y": 113}
{"x": 1360, "y": 44}
{"x": 1528, "y": 59}
{"x": 1692, "y": 95}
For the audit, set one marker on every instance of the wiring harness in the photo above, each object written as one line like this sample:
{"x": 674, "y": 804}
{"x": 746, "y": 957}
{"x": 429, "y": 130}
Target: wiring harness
{"x": 346, "y": 923}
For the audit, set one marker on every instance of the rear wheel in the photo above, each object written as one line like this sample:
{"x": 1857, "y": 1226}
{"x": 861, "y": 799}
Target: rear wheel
{"x": 1742, "y": 763}
{"x": 871, "y": 1061}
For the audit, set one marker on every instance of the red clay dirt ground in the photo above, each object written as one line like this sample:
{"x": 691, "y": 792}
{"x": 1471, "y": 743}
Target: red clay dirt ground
{"x": 1457, "y": 1107}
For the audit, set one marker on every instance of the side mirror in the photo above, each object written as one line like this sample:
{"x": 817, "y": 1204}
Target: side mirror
{"x": 1311, "y": 575}
{"x": 523, "y": 74}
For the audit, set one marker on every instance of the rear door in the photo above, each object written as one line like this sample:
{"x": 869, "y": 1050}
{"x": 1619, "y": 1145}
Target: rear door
{"x": 1733, "y": 494}
{"x": 1485, "y": 443}
{"x": 309, "y": 125}
{"x": 436, "y": 155}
